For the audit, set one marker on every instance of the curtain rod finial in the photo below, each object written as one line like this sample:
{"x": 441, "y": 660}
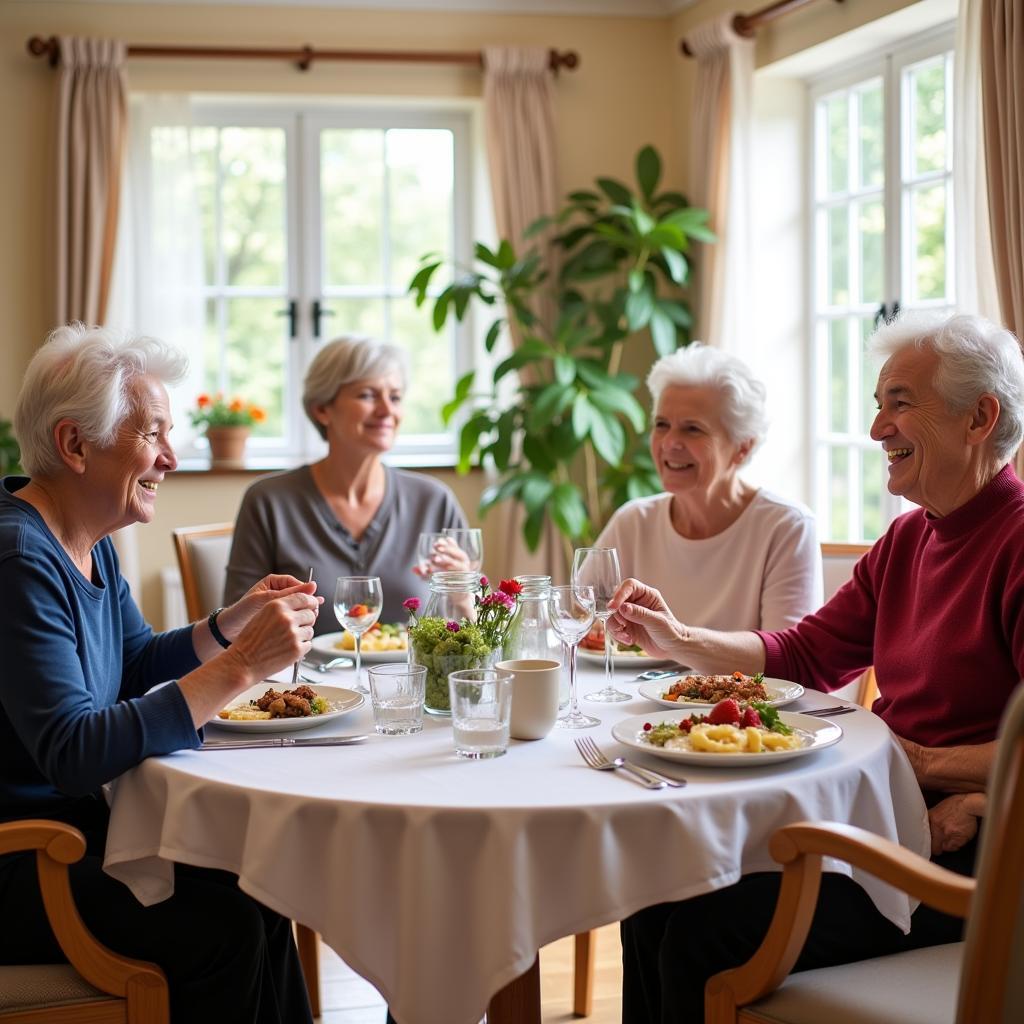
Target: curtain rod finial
{"x": 569, "y": 60}
{"x": 305, "y": 61}
{"x": 40, "y": 47}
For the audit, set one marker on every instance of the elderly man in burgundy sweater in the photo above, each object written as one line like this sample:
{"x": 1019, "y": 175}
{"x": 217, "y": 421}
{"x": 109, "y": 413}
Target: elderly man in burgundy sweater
{"x": 936, "y": 606}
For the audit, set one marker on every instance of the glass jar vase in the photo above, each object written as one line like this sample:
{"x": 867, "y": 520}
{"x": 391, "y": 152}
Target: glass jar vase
{"x": 530, "y": 634}
{"x": 445, "y": 638}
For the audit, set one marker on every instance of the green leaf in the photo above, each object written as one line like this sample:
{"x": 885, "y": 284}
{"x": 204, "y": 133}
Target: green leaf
{"x": 583, "y": 414}
{"x": 642, "y": 220}
{"x": 615, "y": 191}
{"x": 529, "y": 351}
{"x": 639, "y": 485}
{"x": 539, "y": 225}
{"x": 484, "y": 255}
{"x": 469, "y": 439}
{"x": 586, "y": 198}
{"x": 648, "y": 170}
{"x": 671, "y": 199}
{"x": 536, "y": 491}
{"x": 609, "y": 438}
{"x": 539, "y": 454}
{"x": 611, "y": 400}
{"x": 551, "y": 402}
{"x": 441, "y": 308}
{"x": 563, "y": 441}
{"x": 595, "y": 259}
{"x": 573, "y": 237}
{"x": 568, "y": 511}
{"x": 533, "y": 527}
{"x": 421, "y": 281}
{"x": 613, "y": 234}
{"x": 462, "y": 390}
{"x": 637, "y": 278}
{"x": 565, "y": 369}
{"x": 639, "y": 306}
{"x": 494, "y": 494}
{"x": 592, "y": 374}
{"x": 676, "y": 264}
{"x": 667, "y": 235}
{"x": 663, "y": 332}
{"x": 676, "y": 312}
{"x": 493, "y": 333}
{"x": 501, "y": 449}
{"x": 506, "y": 255}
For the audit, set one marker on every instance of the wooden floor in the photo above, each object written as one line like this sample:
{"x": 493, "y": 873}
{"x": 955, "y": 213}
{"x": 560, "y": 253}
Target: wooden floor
{"x": 348, "y": 999}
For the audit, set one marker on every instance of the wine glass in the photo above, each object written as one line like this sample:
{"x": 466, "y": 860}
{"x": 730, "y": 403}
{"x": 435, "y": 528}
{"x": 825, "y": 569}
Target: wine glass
{"x": 425, "y": 551}
{"x": 471, "y": 541}
{"x": 571, "y": 612}
{"x": 599, "y": 568}
{"x": 357, "y": 604}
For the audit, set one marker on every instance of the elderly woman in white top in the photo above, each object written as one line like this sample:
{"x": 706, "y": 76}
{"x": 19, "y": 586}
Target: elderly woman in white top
{"x": 725, "y": 553}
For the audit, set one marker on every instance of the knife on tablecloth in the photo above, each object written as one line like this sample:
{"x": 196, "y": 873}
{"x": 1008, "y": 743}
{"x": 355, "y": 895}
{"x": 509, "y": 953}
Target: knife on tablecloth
{"x": 284, "y": 741}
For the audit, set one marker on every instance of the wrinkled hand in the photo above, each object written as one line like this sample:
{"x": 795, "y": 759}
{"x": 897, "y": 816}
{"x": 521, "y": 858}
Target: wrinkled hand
{"x": 954, "y": 821}
{"x": 236, "y": 617}
{"x": 280, "y": 633}
{"x": 916, "y": 754}
{"x": 641, "y": 616}
{"x": 447, "y": 557}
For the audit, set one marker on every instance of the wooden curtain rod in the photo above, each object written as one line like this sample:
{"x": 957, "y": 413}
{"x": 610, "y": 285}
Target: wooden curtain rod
{"x": 747, "y": 24}
{"x": 304, "y": 56}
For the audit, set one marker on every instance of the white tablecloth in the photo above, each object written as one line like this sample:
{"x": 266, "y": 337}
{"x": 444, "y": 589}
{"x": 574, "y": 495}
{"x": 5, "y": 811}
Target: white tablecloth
{"x": 438, "y": 879}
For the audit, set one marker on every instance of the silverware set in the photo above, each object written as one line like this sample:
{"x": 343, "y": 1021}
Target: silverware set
{"x": 843, "y": 709}
{"x": 284, "y": 741}
{"x": 326, "y": 666}
{"x": 595, "y": 758}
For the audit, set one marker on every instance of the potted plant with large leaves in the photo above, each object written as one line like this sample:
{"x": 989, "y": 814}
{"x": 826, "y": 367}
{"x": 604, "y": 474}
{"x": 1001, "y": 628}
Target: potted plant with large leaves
{"x": 570, "y": 440}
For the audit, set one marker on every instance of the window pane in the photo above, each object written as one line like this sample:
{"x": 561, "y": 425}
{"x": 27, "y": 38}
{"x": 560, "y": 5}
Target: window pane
{"x": 253, "y": 206}
{"x": 871, "y": 230}
{"x": 928, "y": 99}
{"x": 872, "y": 135}
{"x": 868, "y": 375}
{"x": 872, "y": 470}
{"x": 838, "y": 249}
{"x": 839, "y": 494}
{"x": 838, "y": 141}
{"x": 431, "y": 367}
{"x": 420, "y": 168}
{"x": 353, "y": 316}
{"x": 351, "y": 198}
{"x": 839, "y": 385}
{"x": 928, "y": 231}
{"x": 204, "y": 168}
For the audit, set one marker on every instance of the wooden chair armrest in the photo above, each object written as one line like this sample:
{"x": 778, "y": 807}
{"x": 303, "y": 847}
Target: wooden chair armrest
{"x": 800, "y": 848}
{"x": 56, "y": 846}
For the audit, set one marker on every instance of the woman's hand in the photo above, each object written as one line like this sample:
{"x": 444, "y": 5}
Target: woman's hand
{"x": 954, "y": 821}
{"x": 641, "y": 616}
{"x": 446, "y": 557}
{"x": 236, "y": 617}
{"x": 278, "y": 634}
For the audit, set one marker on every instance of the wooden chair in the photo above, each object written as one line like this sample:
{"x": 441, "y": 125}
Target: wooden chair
{"x": 977, "y": 981}
{"x": 96, "y": 986}
{"x": 838, "y": 561}
{"x": 202, "y": 558}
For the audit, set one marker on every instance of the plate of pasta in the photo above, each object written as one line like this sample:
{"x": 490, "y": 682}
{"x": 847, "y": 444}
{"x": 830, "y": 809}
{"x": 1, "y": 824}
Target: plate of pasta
{"x": 269, "y": 707}
{"x": 696, "y": 740}
{"x": 706, "y": 691}
{"x": 381, "y": 642}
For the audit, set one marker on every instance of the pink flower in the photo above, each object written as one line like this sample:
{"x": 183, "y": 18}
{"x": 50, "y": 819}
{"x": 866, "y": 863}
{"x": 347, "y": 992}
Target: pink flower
{"x": 451, "y": 626}
{"x": 411, "y": 604}
{"x": 484, "y": 581}
{"x": 498, "y": 598}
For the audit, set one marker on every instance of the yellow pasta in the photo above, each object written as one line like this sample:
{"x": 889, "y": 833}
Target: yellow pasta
{"x": 727, "y": 739}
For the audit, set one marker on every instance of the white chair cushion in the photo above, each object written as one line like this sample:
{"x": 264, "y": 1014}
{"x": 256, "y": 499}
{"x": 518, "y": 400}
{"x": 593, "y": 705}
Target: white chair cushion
{"x": 41, "y": 985}
{"x": 209, "y": 561}
{"x": 917, "y": 987}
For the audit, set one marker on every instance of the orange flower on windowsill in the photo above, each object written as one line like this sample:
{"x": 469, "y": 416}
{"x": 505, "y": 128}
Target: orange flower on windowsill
{"x": 217, "y": 412}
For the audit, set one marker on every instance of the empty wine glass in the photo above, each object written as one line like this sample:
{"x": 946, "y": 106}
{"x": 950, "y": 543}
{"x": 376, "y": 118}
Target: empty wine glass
{"x": 599, "y": 568}
{"x": 425, "y": 551}
{"x": 571, "y": 612}
{"x": 357, "y": 604}
{"x": 471, "y": 541}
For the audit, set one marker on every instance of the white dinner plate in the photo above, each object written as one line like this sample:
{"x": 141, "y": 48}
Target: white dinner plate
{"x": 342, "y": 701}
{"x": 327, "y": 643}
{"x": 780, "y": 693}
{"x": 816, "y": 733}
{"x": 629, "y": 659}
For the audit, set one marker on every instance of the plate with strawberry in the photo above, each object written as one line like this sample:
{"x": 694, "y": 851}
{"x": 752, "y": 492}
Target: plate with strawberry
{"x": 728, "y": 735}
{"x": 679, "y": 693}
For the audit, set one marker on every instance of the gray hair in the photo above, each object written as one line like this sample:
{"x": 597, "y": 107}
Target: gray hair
{"x": 743, "y": 396}
{"x": 976, "y": 357}
{"x": 86, "y": 374}
{"x": 343, "y": 361}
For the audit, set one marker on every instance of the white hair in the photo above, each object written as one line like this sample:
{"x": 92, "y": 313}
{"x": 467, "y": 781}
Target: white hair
{"x": 343, "y": 361}
{"x": 742, "y": 395}
{"x": 85, "y": 374}
{"x": 976, "y": 357}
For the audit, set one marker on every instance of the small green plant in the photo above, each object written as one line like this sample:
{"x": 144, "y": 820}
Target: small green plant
{"x": 10, "y": 452}
{"x": 570, "y": 442}
{"x": 218, "y": 412}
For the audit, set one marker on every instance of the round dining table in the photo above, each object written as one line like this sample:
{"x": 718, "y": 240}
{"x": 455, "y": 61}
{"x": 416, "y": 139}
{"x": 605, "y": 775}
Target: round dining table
{"x": 438, "y": 879}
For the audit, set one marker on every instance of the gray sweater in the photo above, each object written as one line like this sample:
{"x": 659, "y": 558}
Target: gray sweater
{"x": 286, "y": 526}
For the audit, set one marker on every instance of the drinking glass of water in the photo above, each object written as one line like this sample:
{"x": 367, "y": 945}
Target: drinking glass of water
{"x": 571, "y": 613}
{"x": 471, "y": 541}
{"x": 599, "y": 568}
{"x": 396, "y": 692}
{"x": 357, "y": 604}
{"x": 481, "y": 701}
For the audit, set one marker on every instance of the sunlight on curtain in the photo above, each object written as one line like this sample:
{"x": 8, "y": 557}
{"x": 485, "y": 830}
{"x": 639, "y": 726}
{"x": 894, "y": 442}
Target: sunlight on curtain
{"x": 158, "y": 270}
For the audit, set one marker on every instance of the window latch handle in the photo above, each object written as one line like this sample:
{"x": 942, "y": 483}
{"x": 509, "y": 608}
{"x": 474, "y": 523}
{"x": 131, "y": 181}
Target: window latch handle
{"x": 319, "y": 311}
{"x": 292, "y": 312}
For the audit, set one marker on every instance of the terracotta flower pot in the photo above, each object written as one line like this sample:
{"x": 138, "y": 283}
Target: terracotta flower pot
{"x": 227, "y": 445}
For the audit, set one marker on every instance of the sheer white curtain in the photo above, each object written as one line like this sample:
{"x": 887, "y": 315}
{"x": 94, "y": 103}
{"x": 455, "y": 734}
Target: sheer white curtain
{"x": 974, "y": 270}
{"x": 158, "y": 271}
{"x": 721, "y": 152}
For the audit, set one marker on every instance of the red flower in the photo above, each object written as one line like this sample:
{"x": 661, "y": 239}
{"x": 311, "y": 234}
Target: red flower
{"x": 511, "y": 587}
{"x": 411, "y": 604}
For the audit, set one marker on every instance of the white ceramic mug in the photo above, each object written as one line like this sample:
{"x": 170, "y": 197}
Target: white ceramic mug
{"x": 534, "y": 696}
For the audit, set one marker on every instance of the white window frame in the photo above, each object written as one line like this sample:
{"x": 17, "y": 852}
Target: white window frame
{"x": 302, "y": 122}
{"x": 890, "y": 66}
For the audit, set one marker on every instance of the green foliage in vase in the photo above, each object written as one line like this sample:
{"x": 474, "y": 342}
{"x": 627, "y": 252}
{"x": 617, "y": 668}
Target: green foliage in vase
{"x": 10, "y": 452}
{"x": 570, "y": 441}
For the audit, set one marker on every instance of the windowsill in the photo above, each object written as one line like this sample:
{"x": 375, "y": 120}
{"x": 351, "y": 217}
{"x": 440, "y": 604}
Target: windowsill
{"x": 279, "y": 463}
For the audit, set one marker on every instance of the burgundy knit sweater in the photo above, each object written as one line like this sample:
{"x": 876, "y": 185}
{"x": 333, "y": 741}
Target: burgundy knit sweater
{"x": 937, "y": 606}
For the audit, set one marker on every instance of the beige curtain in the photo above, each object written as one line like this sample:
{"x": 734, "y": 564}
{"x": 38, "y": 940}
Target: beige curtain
{"x": 720, "y": 154}
{"x": 1002, "y": 70}
{"x": 519, "y": 114}
{"x": 92, "y": 116}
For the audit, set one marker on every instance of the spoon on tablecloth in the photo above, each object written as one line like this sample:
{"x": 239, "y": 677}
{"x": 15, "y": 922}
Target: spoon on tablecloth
{"x": 295, "y": 667}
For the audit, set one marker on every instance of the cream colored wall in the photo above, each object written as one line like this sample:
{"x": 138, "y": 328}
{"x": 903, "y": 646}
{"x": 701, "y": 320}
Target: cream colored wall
{"x": 632, "y": 87}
